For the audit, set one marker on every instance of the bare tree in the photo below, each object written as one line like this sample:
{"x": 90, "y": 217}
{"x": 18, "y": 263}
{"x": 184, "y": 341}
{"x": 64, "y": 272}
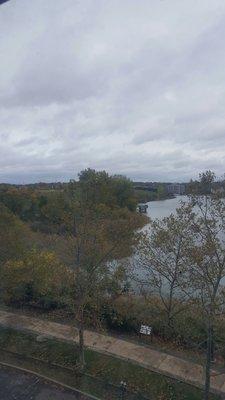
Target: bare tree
{"x": 182, "y": 258}
{"x": 161, "y": 261}
{"x": 207, "y": 257}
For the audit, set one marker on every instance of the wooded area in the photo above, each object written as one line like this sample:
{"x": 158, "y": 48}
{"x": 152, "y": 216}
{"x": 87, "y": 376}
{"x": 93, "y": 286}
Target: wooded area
{"x": 70, "y": 248}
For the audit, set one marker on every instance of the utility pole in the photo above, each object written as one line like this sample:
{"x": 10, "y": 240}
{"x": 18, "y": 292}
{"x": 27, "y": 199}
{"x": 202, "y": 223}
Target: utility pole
{"x": 208, "y": 360}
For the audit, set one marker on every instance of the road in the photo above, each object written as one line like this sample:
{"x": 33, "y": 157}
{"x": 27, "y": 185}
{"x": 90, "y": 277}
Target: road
{"x": 16, "y": 385}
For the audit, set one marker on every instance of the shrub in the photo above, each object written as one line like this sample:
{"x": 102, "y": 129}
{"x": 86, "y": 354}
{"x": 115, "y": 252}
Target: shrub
{"x": 128, "y": 312}
{"x": 39, "y": 280}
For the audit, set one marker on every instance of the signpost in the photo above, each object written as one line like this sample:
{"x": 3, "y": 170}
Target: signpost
{"x": 146, "y": 330}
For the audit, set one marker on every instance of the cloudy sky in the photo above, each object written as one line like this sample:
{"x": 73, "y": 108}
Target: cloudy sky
{"x": 131, "y": 86}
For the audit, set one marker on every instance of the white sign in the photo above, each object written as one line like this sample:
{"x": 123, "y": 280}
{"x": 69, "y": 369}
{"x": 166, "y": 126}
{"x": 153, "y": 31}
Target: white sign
{"x": 146, "y": 330}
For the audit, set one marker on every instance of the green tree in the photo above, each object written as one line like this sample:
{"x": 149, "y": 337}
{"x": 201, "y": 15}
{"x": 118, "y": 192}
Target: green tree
{"x": 37, "y": 279}
{"x": 96, "y": 235}
{"x": 124, "y": 192}
{"x": 97, "y": 187}
{"x": 14, "y": 236}
{"x": 161, "y": 192}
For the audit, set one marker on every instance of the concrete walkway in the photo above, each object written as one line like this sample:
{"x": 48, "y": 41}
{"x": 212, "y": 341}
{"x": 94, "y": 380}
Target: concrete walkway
{"x": 154, "y": 360}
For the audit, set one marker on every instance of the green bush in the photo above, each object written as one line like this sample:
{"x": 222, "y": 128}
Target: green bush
{"x": 188, "y": 329}
{"x": 38, "y": 280}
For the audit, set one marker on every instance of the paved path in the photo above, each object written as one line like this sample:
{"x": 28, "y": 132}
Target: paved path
{"x": 149, "y": 358}
{"x": 17, "y": 385}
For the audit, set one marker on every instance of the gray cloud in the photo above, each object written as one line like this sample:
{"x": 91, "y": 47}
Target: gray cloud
{"x": 124, "y": 86}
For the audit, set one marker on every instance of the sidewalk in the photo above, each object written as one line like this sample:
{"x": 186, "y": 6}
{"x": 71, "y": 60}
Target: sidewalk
{"x": 152, "y": 359}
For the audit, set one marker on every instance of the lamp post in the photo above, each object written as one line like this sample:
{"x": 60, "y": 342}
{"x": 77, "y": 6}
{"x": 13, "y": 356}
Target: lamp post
{"x": 123, "y": 387}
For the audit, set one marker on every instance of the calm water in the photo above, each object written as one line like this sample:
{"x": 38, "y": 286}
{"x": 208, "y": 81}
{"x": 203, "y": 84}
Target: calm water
{"x": 160, "y": 209}
{"x": 163, "y": 208}
{"x": 156, "y": 209}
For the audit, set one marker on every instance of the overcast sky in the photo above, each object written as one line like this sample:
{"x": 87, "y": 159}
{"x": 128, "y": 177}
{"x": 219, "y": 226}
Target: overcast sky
{"x": 135, "y": 87}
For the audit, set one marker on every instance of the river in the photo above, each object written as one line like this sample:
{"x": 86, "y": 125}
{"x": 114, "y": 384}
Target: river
{"x": 160, "y": 209}
{"x": 157, "y": 209}
{"x": 163, "y": 208}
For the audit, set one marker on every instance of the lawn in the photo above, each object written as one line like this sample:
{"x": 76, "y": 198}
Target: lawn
{"x": 101, "y": 370}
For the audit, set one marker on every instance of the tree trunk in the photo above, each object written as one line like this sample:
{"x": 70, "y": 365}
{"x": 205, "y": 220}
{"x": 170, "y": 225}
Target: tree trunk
{"x": 212, "y": 345}
{"x": 81, "y": 339}
{"x": 81, "y": 347}
{"x": 208, "y": 361}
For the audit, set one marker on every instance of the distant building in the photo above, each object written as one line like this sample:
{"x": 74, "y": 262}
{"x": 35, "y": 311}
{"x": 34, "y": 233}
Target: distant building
{"x": 142, "y": 208}
{"x": 175, "y": 188}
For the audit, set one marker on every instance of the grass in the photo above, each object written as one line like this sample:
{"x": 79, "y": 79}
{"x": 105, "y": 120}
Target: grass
{"x": 102, "y": 367}
{"x": 156, "y": 343}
